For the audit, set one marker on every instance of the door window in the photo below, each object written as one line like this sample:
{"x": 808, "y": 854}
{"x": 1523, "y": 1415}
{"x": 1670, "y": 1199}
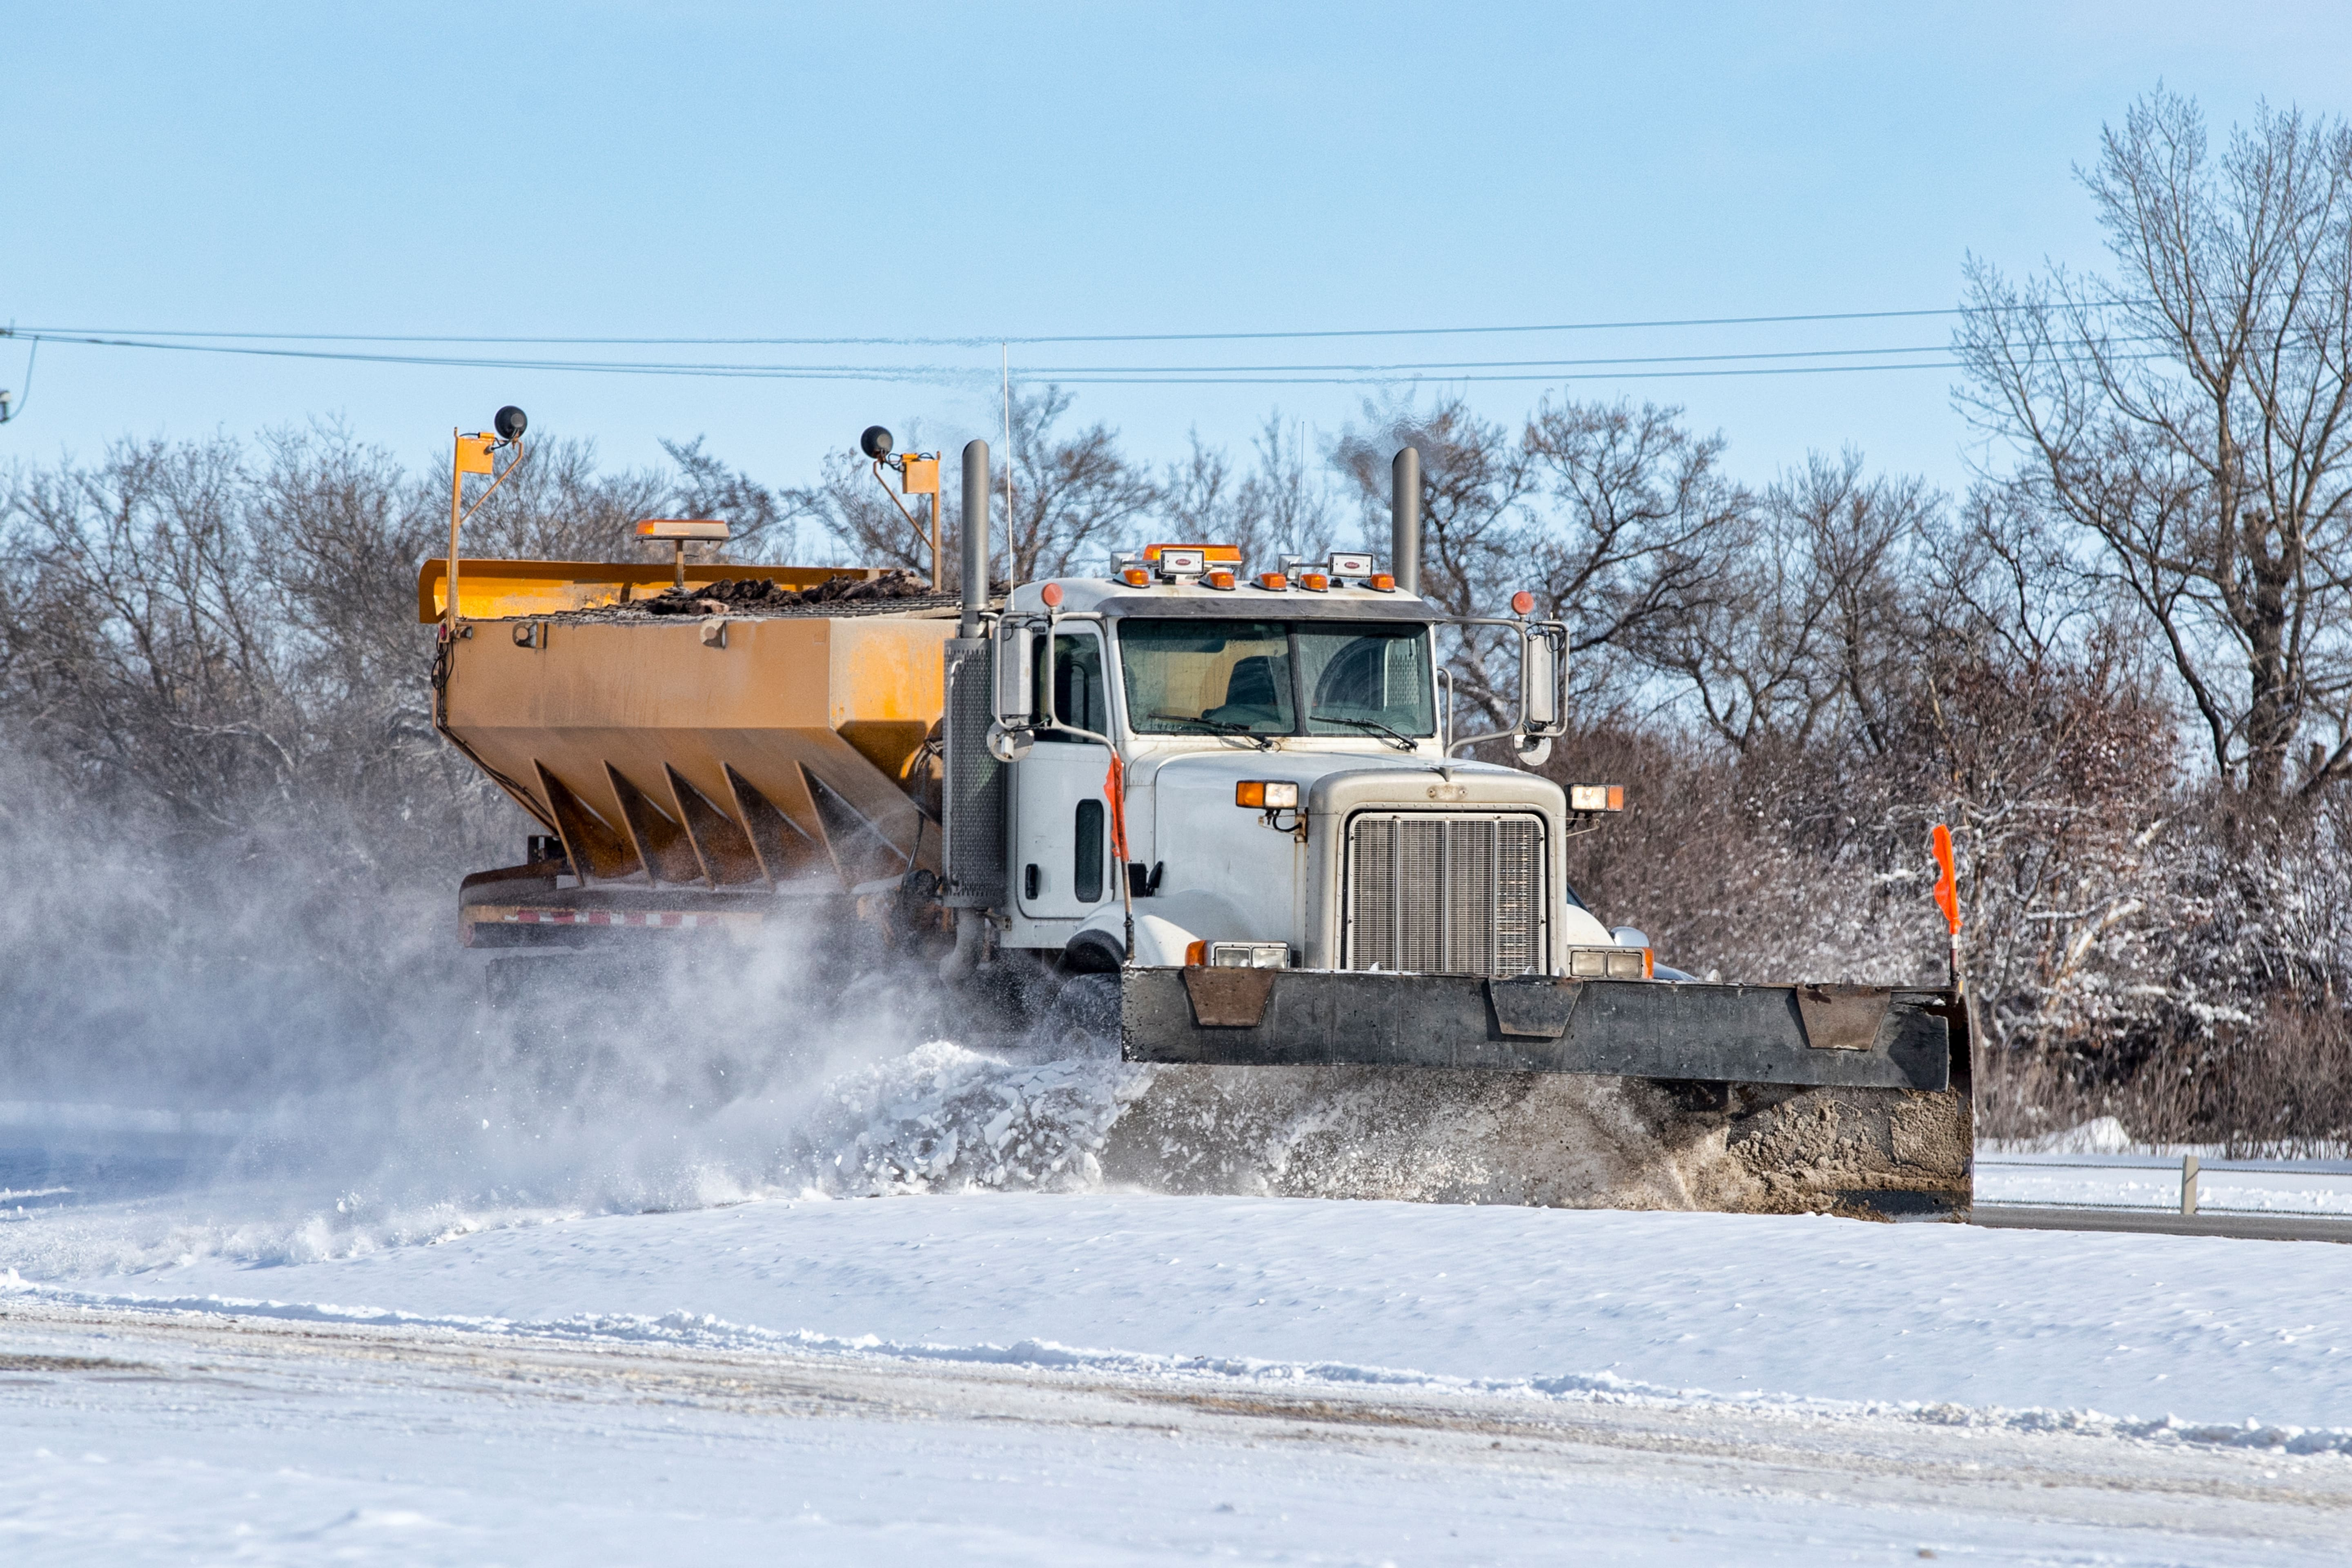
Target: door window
{"x": 1087, "y": 870}
{"x": 1080, "y": 700}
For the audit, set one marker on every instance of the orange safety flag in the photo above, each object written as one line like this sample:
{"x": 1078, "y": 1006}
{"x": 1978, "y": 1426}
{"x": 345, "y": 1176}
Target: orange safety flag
{"x": 1948, "y": 886}
{"x": 473, "y": 453}
{"x": 1115, "y": 792}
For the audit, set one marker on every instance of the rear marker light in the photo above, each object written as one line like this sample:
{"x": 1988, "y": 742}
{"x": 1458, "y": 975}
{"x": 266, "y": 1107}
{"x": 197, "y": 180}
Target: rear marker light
{"x": 1272, "y": 582}
{"x": 1267, "y": 795}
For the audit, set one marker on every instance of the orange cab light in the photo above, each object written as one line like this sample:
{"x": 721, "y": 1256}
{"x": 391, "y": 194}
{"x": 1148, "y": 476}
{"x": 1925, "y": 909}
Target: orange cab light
{"x": 1314, "y": 582}
{"x": 1196, "y": 954}
{"x": 1136, "y": 577}
{"x": 1382, "y": 583}
{"x": 1211, "y": 553}
{"x": 1522, "y": 602}
{"x": 1272, "y": 582}
{"x": 1219, "y": 579}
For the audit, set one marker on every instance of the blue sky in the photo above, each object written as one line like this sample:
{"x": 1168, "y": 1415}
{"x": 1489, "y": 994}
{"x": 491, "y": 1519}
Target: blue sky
{"x": 969, "y": 173}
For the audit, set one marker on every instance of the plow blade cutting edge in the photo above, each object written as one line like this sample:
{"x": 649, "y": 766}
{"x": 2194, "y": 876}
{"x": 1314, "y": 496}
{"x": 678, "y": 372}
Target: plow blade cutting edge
{"x": 1851, "y": 1036}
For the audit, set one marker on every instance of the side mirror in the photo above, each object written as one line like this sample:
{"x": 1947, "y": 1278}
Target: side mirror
{"x": 1016, "y": 653}
{"x": 1009, "y": 738}
{"x": 1543, "y": 676}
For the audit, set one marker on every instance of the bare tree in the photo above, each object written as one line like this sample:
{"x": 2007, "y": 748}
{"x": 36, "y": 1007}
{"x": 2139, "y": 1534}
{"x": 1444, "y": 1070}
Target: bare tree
{"x": 1281, "y": 507}
{"x": 2188, "y": 419}
{"x": 1638, "y": 530}
{"x": 1475, "y": 478}
{"x": 758, "y": 524}
{"x": 1073, "y": 496}
{"x": 560, "y": 506}
{"x": 1808, "y": 615}
{"x": 1619, "y": 519}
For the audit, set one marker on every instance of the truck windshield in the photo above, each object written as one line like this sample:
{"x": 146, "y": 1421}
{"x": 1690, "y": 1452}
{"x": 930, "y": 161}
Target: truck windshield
{"x": 1277, "y": 677}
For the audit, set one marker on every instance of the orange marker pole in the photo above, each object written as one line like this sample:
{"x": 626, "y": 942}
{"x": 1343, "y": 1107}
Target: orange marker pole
{"x": 1948, "y": 896}
{"x": 1115, "y": 792}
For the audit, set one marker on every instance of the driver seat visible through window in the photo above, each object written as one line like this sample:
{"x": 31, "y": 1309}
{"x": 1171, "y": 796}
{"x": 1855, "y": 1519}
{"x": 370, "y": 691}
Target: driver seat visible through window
{"x": 1254, "y": 691}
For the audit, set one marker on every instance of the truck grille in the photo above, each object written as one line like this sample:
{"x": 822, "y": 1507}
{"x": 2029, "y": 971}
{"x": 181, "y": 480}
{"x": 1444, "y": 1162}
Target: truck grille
{"x": 1454, "y": 893}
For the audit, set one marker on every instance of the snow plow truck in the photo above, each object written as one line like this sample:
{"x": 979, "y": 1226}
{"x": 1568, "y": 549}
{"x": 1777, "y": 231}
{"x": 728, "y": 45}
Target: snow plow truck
{"x": 1211, "y": 810}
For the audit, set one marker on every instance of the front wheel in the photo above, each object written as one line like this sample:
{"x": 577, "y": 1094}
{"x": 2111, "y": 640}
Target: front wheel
{"x": 1084, "y": 1016}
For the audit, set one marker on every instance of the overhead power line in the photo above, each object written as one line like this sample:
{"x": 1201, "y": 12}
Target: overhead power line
{"x": 990, "y": 339}
{"x": 1677, "y": 366}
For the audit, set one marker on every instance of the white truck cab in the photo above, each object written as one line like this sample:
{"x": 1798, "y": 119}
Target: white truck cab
{"x": 1274, "y": 750}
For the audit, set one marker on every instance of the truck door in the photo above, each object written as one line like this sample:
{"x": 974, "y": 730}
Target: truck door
{"x": 1062, "y": 866}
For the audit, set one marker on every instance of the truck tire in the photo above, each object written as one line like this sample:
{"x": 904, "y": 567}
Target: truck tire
{"x": 1084, "y": 1017}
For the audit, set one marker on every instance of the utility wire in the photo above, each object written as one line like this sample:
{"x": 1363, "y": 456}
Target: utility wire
{"x": 1212, "y": 375}
{"x": 984, "y": 340}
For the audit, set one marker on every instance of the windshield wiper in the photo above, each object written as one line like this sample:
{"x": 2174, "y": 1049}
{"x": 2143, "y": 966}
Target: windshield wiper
{"x": 1220, "y": 727}
{"x": 1397, "y": 738}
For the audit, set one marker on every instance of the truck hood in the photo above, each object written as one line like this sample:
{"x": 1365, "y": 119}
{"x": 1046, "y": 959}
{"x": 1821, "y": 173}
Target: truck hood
{"x": 1225, "y": 874}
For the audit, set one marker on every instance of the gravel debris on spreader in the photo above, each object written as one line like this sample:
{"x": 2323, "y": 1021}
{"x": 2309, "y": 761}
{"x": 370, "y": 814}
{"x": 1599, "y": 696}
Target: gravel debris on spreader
{"x": 733, "y": 593}
{"x": 895, "y": 591}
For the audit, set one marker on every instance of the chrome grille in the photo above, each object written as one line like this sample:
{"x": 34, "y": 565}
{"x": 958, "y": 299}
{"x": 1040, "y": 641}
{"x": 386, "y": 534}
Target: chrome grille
{"x": 1451, "y": 893}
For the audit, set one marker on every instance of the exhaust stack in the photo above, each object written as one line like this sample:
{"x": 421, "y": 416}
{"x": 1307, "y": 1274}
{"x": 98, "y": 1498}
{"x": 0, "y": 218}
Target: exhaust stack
{"x": 973, "y": 807}
{"x": 975, "y": 538}
{"x": 1405, "y": 518}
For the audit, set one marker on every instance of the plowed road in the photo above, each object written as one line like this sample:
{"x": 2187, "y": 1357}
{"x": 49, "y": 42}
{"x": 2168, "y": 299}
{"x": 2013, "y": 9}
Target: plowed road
{"x": 156, "y": 1435}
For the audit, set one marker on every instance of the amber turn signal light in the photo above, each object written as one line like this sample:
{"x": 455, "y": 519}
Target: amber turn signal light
{"x": 1196, "y": 954}
{"x": 1267, "y": 795}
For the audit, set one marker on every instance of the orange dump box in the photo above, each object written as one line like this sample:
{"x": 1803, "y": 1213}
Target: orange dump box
{"x": 781, "y": 746}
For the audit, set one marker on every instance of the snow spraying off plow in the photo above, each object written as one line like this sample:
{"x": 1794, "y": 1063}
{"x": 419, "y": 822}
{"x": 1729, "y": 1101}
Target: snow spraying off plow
{"x": 1183, "y": 858}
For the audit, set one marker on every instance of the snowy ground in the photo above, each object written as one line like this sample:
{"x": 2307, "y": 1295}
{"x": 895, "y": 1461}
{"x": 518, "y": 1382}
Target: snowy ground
{"x": 204, "y": 1364}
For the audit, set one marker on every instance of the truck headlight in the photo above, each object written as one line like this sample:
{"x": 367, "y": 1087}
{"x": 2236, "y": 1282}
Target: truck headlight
{"x": 1267, "y": 795}
{"x": 1239, "y": 954}
{"x": 1609, "y": 962}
